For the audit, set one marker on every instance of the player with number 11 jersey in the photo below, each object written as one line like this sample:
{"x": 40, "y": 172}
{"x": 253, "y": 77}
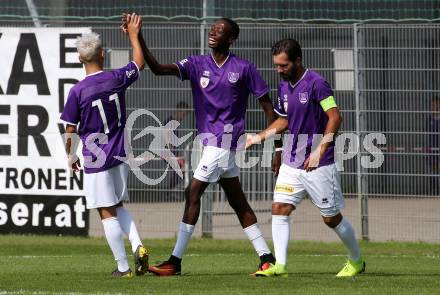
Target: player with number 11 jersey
{"x": 95, "y": 110}
{"x": 97, "y": 103}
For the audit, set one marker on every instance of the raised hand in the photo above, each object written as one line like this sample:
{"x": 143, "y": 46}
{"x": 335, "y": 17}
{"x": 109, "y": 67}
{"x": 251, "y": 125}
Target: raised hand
{"x": 124, "y": 22}
{"x": 134, "y": 24}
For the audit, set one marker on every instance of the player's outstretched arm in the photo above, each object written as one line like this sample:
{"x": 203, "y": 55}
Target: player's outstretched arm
{"x": 155, "y": 66}
{"x": 134, "y": 24}
{"x": 271, "y": 116}
{"x": 278, "y": 126}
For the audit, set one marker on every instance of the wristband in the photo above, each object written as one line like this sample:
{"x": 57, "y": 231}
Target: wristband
{"x": 279, "y": 149}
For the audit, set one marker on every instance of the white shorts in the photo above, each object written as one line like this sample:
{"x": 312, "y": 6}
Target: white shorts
{"x": 216, "y": 163}
{"x": 323, "y": 185}
{"x": 106, "y": 188}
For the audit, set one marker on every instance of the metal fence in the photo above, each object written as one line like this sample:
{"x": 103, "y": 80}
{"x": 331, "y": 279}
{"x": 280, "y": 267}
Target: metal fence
{"x": 340, "y": 11}
{"x": 385, "y": 79}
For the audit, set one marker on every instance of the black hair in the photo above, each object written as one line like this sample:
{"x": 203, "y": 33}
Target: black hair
{"x": 289, "y": 46}
{"x": 235, "y": 29}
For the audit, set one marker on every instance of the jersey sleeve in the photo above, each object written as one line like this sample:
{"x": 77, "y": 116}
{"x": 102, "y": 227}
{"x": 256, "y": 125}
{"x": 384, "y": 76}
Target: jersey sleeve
{"x": 321, "y": 90}
{"x": 279, "y": 105}
{"x": 324, "y": 95}
{"x": 71, "y": 113}
{"x": 128, "y": 74}
{"x": 186, "y": 68}
{"x": 255, "y": 83}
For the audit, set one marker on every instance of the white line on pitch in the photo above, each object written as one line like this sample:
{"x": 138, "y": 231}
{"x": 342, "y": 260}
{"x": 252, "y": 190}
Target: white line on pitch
{"x": 437, "y": 256}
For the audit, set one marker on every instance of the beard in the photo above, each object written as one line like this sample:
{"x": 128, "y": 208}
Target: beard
{"x": 285, "y": 77}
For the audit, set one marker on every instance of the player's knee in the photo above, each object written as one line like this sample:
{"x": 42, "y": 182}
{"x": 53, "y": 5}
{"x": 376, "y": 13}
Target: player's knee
{"x": 332, "y": 221}
{"x": 328, "y": 221}
{"x": 282, "y": 208}
{"x": 107, "y": 212}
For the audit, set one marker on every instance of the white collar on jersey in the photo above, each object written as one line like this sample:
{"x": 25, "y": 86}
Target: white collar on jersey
{"x": 95, "y": 73}
{"x": 219, "y": 66}
{"x": 294, "y": 85}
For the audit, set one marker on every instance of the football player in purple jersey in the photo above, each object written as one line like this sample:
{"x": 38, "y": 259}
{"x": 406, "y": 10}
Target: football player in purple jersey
{"x": 221, "y": 83}
{"x": 95, "y": 110}
{"x": 307, "y": 108}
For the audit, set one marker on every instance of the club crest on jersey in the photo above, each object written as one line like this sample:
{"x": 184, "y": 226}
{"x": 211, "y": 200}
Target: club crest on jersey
{"x": 204, "y": 82}
{"x": 286, "y": 104}
{"x": 303, "y": 97}
{"x": 233, "y": 77}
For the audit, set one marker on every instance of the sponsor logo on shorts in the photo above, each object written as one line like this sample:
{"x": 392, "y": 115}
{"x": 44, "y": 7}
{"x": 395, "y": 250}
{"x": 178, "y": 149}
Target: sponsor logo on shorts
{"x": 204, "y": 168}
{"x": 324, "y": 201}
{"x": 284, "y": 189}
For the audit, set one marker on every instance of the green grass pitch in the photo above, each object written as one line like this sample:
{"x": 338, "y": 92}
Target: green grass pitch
{"x": 66, "y": 265}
